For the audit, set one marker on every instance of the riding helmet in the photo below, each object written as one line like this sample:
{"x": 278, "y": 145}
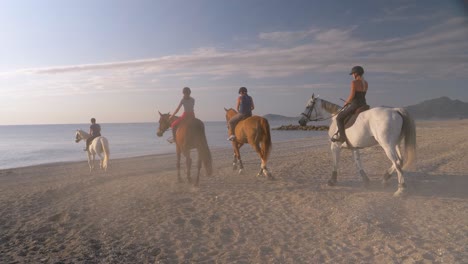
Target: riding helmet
{"x": 357, "y": 69}
{"x": 242, "y": 89}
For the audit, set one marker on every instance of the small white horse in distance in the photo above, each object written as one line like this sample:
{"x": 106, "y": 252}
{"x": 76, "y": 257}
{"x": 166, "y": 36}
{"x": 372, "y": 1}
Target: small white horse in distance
{"x": 99, "y": 146}
{"x": 385, "y": 126}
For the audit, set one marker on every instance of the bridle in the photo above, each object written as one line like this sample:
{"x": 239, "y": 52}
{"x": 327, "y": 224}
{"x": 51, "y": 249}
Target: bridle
{"x": 312, "y": 108}
{"x": 165, "y": 124}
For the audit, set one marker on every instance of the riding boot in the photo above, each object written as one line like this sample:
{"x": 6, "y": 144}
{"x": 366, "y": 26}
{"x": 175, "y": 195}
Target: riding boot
{"x": 173, "y": 139}
{"x": 232, "y": 134}
{"x": 88, "y": 142}
{"x": 340, "y": 136}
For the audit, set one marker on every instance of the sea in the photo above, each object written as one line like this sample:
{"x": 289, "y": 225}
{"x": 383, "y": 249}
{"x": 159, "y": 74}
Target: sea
{"x": 28, "y": 145}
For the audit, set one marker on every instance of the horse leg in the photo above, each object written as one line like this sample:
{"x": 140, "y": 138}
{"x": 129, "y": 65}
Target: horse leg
{"x": 241, "y": 166}
{"x": 335, "y": 149}
{"x": 357, "y": 161}
{"x": 237, "y": 155}
{"x": 199, "y": 165}
{"x": 188, "y": 164}
{"x": 263, "y": 167}
{"x": 90, "y": 162}
{"x": 178, "y": 166}
{"x": 392, "y": 154}
{"x": 234, "y": 162}
{"x": 388, "y": 173}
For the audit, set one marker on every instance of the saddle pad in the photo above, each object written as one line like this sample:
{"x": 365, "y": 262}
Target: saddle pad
{"x": 352, "y": 118}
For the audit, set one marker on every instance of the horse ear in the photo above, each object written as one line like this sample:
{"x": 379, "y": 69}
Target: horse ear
{"x": 225, "y": 109}
{"x": 313, "y": 95}
{"x": 159, "y": 113}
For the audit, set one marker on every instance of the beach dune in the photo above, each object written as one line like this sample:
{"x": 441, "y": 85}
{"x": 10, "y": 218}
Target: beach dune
{"x": 138, "y": 213}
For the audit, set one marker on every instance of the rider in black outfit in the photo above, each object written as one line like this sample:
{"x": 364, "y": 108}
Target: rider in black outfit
{"x": 356, "y": 99}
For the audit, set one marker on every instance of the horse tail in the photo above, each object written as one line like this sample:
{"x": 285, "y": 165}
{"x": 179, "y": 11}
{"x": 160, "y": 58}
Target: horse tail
{"x": 266, "y": 142}
{"x": 205, "y": 152}
{"x": 408, "y": 131}
{"x": 105, "y": 150}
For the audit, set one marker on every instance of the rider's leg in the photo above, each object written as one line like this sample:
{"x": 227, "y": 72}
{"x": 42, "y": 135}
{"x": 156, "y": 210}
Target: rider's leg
{"x": 340, "y": 122}
{"x": 88, "y": 142}
{"x": 340, "y": 134}
{"x": 232, "y": 125}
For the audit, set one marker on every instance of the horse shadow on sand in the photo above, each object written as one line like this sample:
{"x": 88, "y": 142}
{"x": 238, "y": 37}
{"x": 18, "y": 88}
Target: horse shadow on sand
{"x": 419, "y": 184}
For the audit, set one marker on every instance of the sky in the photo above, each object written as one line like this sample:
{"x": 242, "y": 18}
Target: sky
{"x": 63, "y": 62}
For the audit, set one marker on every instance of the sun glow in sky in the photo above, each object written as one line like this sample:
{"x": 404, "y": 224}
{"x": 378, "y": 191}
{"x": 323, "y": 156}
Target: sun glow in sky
{"x": 123, "y": 61}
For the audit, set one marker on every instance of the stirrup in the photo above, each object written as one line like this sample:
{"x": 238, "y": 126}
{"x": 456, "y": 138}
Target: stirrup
{"x": 231, "y": 138}
{"x": 171, "y": 140}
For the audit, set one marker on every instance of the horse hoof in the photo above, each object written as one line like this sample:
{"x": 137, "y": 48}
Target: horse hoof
{"x": 400, "y": 193}
{"x": 240, "y": 172}
{"x": 270, "y": 177}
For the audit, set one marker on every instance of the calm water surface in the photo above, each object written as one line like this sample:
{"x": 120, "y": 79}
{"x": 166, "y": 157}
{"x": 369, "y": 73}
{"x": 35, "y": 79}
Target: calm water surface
{"x": 28, "y": 145}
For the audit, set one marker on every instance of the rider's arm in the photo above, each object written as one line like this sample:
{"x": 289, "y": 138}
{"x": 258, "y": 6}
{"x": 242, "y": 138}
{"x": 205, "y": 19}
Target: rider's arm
{"x": 352, "y": 92}
{"x": 252, "y": 107}
{"x": 238, "y": 103}
{"x": 177, "y": 110}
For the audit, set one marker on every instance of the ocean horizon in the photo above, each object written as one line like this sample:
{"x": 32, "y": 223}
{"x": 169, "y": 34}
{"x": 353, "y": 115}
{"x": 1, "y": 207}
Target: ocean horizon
{"x": 29, "y": 145}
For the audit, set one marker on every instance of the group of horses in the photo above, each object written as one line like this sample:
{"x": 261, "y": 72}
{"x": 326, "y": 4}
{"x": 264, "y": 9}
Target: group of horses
{"x": 391, "y": 128}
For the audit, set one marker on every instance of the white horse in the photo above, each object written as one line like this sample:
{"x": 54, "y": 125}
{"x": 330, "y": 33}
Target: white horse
{"x": 380, "y": 125}
{"x": 99, "y": 146}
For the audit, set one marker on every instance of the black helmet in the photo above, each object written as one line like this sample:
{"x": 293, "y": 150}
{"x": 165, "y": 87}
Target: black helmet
{"x": 242, "y": 89}
{"x": 186, "y": 90}
{"x": 357, "y": 69}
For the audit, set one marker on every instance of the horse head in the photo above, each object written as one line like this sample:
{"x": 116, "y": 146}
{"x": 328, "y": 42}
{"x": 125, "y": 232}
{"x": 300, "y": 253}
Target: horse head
{"x": 78, "y": 136}
{"x": 164, "y": 123}
{"x": 310, "y": 112}
{"x": 230, "y": 113}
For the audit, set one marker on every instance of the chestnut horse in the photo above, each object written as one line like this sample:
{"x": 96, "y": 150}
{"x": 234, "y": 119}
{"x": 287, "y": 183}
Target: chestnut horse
{"x": 254, "y": 130}
{"x": 190, "y": 135}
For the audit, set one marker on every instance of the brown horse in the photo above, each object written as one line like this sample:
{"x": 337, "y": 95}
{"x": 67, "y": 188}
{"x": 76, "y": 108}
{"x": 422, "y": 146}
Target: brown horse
{"x": 190, "y": 135}
{"x": 254, "y": 130}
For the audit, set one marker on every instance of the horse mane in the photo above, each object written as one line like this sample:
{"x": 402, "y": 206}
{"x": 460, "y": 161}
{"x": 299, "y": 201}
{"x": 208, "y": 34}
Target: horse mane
{"x": 330, "y": 107}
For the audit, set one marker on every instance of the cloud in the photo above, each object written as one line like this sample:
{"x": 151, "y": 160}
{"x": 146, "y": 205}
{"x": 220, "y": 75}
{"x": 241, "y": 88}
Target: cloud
{"x": 440, "y": 49}
{"x": 287, "y": 36}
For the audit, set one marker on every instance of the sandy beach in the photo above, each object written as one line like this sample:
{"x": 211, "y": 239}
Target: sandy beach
{"x": 138, "y": 213}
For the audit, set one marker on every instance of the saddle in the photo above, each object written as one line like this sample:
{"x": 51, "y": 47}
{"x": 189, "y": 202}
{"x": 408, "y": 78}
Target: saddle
{"x": 349, "y": 121}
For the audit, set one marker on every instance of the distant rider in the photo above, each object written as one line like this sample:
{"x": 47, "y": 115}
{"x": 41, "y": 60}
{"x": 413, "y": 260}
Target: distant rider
{"x": 244, "y": 107}
{"x": 189, "y": 104}
{"x": 94, "y": 131}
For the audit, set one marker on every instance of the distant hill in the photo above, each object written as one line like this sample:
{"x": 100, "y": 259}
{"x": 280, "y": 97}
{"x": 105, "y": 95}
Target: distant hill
{"x": 439, "y": 108}
{"x": 273, "y": 117}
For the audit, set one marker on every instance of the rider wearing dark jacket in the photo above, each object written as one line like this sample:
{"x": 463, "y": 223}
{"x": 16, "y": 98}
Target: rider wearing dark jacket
{"x": 94, "y": 131}
{"x": 356, "y": 99}
{"x": 244, "y": 107}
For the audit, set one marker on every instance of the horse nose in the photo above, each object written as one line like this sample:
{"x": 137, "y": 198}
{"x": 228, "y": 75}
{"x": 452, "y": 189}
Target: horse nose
{"x": 159, "y": 134}
{"x": 302, "y": 122}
